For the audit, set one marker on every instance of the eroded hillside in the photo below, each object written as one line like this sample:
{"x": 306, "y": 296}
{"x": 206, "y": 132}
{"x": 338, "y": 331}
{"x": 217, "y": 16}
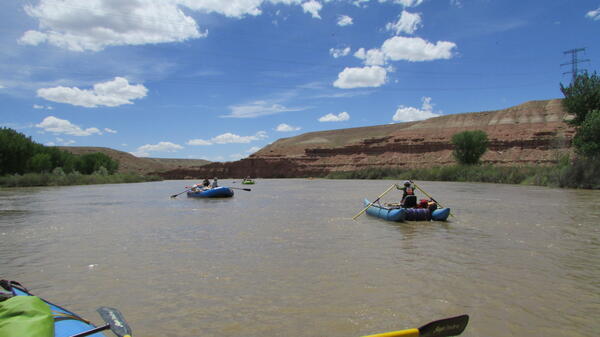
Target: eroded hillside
{"x": 531, "y": 133}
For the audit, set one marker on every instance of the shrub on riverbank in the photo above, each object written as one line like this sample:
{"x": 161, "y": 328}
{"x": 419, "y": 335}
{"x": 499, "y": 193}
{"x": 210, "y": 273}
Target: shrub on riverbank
{"x": 59, "y": 178}
{"x": 580, "y": 173}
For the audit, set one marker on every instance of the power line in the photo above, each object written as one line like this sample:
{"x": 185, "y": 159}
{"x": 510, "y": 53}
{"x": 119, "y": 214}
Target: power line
{"x": 574, "y": 62}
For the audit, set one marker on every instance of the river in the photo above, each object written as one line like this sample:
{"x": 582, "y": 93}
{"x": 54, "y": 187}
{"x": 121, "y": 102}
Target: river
{"x": 286, "y": 259}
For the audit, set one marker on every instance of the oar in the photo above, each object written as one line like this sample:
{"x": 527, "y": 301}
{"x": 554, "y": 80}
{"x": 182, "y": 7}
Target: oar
{"x": 430, "y": 197}
{"x": 116, "y": 321}
{"x": 374, "y": 201}
{"x": 452, "y": 326}
{"x": 175, "y": 195}
{"x": 244, "y": 189}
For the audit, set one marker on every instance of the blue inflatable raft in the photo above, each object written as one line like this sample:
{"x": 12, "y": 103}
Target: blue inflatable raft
{"x": 406, "y": 214}
{"x": 68, "y": 323}
{"x": 217, "y": 192}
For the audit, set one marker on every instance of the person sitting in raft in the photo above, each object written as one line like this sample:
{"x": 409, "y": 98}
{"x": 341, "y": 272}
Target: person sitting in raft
{"x": 206, "y": 183}
{"x": 214, "y": 183}
{"x": 247, "y": 179}
{"x": 423, "y": 203}
{"x": 409, "y": 199}
{"x": 427, "y": 204}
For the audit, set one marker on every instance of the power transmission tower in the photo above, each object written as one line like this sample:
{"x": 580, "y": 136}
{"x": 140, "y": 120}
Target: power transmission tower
{"x": 574, "y": 62}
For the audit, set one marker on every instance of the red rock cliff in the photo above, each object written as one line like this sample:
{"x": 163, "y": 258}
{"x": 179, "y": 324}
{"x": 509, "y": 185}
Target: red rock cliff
{"x": 530, "y": 133}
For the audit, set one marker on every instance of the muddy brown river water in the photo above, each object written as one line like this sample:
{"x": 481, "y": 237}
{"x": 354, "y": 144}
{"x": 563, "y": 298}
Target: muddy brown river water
{"x": 286, "y": 259}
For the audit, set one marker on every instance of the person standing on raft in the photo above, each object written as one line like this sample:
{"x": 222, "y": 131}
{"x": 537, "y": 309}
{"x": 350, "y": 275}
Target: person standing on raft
{"x": 409, "y": 199}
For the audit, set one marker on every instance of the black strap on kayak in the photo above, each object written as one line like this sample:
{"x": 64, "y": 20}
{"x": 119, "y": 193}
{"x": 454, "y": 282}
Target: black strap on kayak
{"x": 9, "y": 285}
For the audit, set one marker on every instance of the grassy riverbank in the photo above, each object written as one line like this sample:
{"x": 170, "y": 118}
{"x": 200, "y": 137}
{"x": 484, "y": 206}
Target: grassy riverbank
{"x": 52, "y": 179}
{"x": 581, "y": 173}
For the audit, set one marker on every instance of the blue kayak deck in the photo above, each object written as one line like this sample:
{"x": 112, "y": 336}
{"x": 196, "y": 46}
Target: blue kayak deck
{"x": 63, "y": 327}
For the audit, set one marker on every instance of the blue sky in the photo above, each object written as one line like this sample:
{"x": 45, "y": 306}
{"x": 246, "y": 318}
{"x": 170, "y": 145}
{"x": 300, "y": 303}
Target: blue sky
{"x": 219, "y": 80}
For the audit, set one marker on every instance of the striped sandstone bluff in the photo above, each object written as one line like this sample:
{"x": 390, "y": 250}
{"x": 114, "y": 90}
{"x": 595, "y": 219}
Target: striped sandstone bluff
{"x": 533, "y": 133}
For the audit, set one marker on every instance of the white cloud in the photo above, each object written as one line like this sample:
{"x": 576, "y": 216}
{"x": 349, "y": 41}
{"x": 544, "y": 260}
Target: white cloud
{"x": 335, "y": 52}
{"x": 64, "y": 142}
{"x": 228, "y": 138}
{"x": 313, "y": 7}
{"x": 372, "y": 57}
{"x": 33, "y": 37}
{"x": 253, "y": 149}
{"x": 359, "y": 3}
{"x": 415, "y": 49}
{"x": 144, "y": 150}
{"x": 344, "y": 20}
{"x": 110, "y": 130}
{"x": 58, "y": 126}
{"x": 594, "y": 15}
{"x": 198, "y": 142}
{"x": 457, "y": 3}
{"x": 286, "y": 128}
{"x": 36, "y": 106}
{"x": 112, "y": 93}
{"x": 258, "y": 108}
{"x": 231, "y": 8}
{"x": 374, "y": 76}
{"x": 93, "y": 26}
{"x": 342, "y": 116}
{"x": 409, "y": 114}
{"x": 405, "y": 3}
{"x": 407, "y": 23}
{"x": 236, "y": 156}
{"x": 2, "y": 87}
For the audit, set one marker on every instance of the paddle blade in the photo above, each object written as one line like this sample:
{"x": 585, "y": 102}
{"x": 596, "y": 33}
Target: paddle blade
{"x": 452, "y": 326}
{"x": 116, "y": 321}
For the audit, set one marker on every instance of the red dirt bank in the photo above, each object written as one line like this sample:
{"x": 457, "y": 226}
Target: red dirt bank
{"x": 530, "y": 133}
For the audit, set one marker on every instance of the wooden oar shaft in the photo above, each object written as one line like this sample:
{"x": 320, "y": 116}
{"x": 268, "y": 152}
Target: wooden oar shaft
{"x": 401, "y": 333}
{"x": 430, "y": 197}
{"x": 244, "y": 189}
{"x": 374, "y": 201}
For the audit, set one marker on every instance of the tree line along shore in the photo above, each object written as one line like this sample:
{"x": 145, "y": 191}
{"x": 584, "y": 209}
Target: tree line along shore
{"x": 25, "y": 163}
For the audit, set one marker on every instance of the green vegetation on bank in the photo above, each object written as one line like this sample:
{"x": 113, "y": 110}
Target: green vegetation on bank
{"x": 24, "y": 162}
{"x": 569, "y": 174}
{"x": 582, "y": 100}
{"x": 469, "y": 146}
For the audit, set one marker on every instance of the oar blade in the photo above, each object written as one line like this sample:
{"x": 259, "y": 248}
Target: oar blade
{"x": 116, "y": 321}
{"x": 452, "y": 326}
